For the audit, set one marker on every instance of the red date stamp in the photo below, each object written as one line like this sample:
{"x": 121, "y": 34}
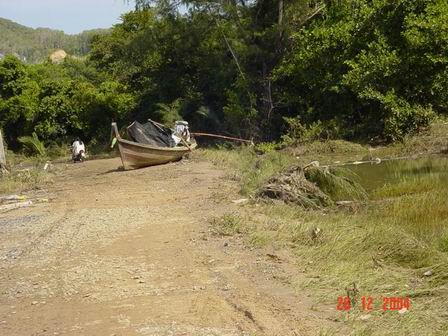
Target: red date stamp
{"x": 367, "y": 303}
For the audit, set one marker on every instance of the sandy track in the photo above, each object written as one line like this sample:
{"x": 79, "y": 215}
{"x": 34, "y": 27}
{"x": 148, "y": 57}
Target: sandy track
{"x": 130, "y": 253}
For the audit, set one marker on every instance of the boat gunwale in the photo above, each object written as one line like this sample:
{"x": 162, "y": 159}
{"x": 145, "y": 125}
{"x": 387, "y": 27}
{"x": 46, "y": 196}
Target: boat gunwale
{"x": 163, "y": 149}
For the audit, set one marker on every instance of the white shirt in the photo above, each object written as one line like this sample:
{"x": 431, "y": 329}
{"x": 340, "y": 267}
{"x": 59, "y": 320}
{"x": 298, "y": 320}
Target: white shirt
{"x": 78, "y": 147}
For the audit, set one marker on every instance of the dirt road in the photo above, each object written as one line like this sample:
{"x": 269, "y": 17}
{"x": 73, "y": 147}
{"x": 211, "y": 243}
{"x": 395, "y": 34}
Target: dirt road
{"x": 131, "y": 253}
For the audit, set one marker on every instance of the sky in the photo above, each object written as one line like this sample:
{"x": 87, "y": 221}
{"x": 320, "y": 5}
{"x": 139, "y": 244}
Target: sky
{"x": 71, "y": 16}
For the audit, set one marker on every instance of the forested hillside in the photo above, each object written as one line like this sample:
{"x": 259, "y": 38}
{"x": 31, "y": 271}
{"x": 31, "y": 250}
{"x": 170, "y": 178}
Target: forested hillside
{"x": 34, "y": 45}
{"x": 364, "y": 70}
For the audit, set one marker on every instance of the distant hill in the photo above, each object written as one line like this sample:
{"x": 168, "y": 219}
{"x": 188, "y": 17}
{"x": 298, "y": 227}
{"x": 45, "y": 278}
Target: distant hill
{"x": 35, "y": 45}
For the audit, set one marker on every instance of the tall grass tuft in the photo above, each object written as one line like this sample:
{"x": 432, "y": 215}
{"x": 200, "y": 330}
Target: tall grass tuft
{"x": 19, "y": 181}
{"x": 228, "y": 224}
{"x": 33, "y": 145}
{"x": 338, "y": 183}
{"x": 248, "y": 168}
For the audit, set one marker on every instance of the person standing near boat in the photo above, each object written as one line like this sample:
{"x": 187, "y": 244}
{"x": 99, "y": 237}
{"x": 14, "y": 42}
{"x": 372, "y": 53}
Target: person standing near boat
{"x": 78, "y": 150}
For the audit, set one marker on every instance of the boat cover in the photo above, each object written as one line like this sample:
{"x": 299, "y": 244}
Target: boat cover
{"x": 151, "y": 134}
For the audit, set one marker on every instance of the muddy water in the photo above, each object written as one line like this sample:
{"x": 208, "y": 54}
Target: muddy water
{"x": 376, "y": 175}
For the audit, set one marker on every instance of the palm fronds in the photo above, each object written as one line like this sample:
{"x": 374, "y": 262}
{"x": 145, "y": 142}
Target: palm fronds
{"x": 33, "y": 145}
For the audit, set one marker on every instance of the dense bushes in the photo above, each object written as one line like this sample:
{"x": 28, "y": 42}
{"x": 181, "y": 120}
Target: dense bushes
{"x": 57, "y": 101}
{"x": 307, "y": 70}
{"x": 377, "y": 67}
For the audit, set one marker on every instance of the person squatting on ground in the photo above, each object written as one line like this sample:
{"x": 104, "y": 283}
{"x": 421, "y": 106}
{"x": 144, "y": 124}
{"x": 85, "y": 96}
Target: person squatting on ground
{"x": 78, "y": 151}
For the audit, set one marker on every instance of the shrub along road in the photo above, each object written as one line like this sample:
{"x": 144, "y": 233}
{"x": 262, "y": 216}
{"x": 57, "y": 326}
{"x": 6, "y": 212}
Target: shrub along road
{"x": 132, "y": 253}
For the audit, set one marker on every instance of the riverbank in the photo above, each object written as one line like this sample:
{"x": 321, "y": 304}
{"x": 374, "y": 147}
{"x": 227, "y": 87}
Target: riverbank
{"x": 395, "y": 245}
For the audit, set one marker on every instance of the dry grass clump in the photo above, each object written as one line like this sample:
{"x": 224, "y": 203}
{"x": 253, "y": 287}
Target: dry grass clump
{"x": 313, "y": 187}
{"x": 228, "y": 224}
{"x": 293, "y": 187}
{"x": 18, "y": 181}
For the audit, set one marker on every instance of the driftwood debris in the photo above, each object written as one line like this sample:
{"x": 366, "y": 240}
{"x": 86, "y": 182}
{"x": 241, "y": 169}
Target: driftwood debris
{"x": 12, "y": 206}
{"x": 315, "y": 186}
{"x": 12, "y": 202}
{"x": 12, "y": 198}
{"x": 293, "y": 187}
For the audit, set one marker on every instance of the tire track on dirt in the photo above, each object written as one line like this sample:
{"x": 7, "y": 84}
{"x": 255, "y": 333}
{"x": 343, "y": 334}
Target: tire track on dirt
{"x": 51, "y": 228}
{"x": 122, "y": 253}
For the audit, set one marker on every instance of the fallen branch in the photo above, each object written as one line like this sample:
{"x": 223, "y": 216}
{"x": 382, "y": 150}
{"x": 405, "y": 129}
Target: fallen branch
{"x": 13, "y": 206}
{"x": 10, "y": 198}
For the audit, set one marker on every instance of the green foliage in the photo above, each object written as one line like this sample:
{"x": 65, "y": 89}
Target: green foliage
{"x": 372, "y": 66}
{"x": 298, "y": 133}
{"x": 265, "y": 147}
{"x": 295, "y": 131}
{"x": 35, "y": 45}
{"x": 59, "y": 101}
{"x": 33, "y": 145}
{"x": 307, "y": 70}
{"x": 169, "y": 113}
{"x": 338, "y": 183}
{"x": 404, "y": 118}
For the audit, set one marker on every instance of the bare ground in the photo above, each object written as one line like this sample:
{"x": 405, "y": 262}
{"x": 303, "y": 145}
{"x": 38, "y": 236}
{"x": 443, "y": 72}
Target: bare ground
{"x": 131, "y": 253}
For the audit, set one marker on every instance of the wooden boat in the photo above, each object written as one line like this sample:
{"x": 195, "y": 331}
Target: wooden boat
{"x": 137, "y": 155}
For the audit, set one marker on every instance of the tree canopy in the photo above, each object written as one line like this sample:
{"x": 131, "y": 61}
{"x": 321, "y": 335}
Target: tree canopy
{"x": 365, "y": 69}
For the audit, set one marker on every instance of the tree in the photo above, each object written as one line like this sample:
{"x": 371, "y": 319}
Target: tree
{"x": 368, "y": 66}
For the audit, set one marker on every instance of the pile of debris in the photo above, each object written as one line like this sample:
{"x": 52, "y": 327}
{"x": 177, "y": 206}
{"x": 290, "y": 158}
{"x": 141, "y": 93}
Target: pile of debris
{"x": 293, "y": 187}
{"x": 11, "y": 202}
{"x": 14, "y": 202}
{"x": 313, "y": 186}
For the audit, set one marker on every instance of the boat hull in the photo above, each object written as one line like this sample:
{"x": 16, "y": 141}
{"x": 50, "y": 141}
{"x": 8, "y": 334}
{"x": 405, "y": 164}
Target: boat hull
{"x": 135, "y": 155}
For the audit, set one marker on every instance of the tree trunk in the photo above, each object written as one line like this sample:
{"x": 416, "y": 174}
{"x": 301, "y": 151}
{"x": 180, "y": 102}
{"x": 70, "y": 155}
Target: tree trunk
{"x": 268, "y": 105}
{"x": 280, "y": 22}
{"x": 2, "y": 153}
{"x": 280, "y": 12}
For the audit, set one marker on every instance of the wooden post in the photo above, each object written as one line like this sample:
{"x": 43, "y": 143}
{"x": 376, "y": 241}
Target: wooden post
{"x": 117, "y": 136}
{"x": 2, "y": 153}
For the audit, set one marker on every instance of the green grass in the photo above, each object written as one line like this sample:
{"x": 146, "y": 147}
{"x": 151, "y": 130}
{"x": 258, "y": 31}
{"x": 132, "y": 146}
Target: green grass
{"x": 246, "y": 167}
{"x": 228, "y": 224}
{"x": 24, "y": 173}
{"x": 19, "y": 181}
{"x": 338, "y": 183}
{"x": 433, "y": 140}
{"x": 383, "y": 249}
{"x": 385, "y": 245}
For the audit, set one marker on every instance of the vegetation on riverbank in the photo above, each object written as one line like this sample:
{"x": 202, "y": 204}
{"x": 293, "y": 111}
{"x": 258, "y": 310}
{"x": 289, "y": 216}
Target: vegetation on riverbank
{"x": 26, "y": 172}
{"x": 393, "y": 245}
{"x": 304, "y": 77}
{"x": 20, "y": 180}
{"x": 361, "y": 71}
